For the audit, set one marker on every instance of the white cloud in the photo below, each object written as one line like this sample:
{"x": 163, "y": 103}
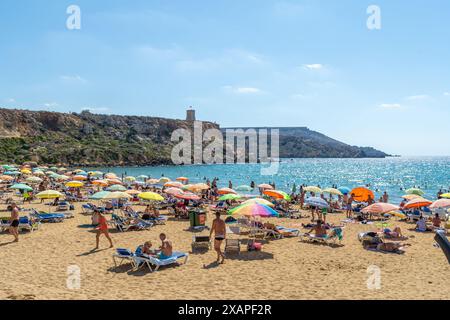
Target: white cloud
{"x": 243, "y": 90}
{"x": 73, "y": 78}
{"x": 417, "y": 97}
{"x": 390, "y": 106}
{"x": 96, "y": 109}
{"x": 314, "y": 66}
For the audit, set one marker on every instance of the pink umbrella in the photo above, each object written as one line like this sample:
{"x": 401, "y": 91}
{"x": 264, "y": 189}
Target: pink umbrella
{"x": 380, "y": 208}
{"x": 441, "y": 203}
{"x": 188, "y": 196}
{"x": 173, "y": 191}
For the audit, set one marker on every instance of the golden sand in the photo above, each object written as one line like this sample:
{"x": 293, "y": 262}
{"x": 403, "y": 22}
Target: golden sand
{"x": 36, "y": 267}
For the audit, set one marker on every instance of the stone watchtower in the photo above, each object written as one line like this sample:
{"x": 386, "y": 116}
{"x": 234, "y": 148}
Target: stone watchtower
{"x": 190, "y": 114}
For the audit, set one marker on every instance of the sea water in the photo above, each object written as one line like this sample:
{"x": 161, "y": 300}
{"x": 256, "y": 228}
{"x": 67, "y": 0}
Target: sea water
{"x": 393, "y": 175}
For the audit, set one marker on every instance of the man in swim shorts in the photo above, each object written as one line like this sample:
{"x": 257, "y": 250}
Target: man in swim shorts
{"x": 220, "y": 230}
{"x": 166, "y": 247}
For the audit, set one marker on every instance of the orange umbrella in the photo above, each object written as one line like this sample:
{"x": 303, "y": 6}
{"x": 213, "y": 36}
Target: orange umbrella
{"x": 79, "y": 178}
{"x": 102, "y": 183}
{"x": 226, "y": 191}
{"x": 265, "y": 186}
{"x": 133, "y": 192}
{"x": 362, "y": 194}
{"x": 380, "y": 208}
{"x": 274, "y": 194}
{"x": 417, "y": 203}
{"x": 114, "y": 181}
{"x": 173, "y": 184}
{"x": 182, "y": 179}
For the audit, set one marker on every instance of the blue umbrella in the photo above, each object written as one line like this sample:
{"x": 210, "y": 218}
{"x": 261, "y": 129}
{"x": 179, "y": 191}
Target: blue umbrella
{"x": 317, "y": 201}
{"x": 344, "y": 190}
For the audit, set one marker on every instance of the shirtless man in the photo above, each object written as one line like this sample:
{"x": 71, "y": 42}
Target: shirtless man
{"x": 14, "y": 226}
{"x": 166, "y": 247}
{"x": 319, "y": 230}
{"x": 220, "y": 231}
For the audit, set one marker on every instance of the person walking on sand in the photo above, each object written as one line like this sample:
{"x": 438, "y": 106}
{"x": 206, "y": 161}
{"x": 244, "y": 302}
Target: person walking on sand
{"x": 14, "y": 226}
{"x": 219, "y": 229}
{"x": 102, "y": 228}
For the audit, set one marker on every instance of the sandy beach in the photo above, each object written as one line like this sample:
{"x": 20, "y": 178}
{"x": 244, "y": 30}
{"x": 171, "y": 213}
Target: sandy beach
{"x": 36, "y": 267}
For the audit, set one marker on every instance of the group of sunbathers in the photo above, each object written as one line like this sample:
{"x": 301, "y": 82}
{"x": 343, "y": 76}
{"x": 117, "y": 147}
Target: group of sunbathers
{"x": 164, "y": 252}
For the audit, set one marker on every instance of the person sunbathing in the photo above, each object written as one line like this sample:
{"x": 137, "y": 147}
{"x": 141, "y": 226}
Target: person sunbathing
{"x": 422, "y": 225}
{"x": 396, "y": 233}
{"x": 437, "y": 221}
{"x": 319, "y": 230}
{"x": 166, "y": 247}
{"x": 147, "y": 249}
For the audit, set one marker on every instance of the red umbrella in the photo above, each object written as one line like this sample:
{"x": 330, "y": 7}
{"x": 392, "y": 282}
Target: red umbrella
{"x": 226, "y": 191}
{"x": 380, "y": 208}
{"x": 417, "y": 203}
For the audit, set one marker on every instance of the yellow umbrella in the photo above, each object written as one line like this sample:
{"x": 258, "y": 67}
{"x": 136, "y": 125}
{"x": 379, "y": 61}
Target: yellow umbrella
{"x": 25, "y": 171}
{"x": 117, "y": 195}
{"x": 445, "y": 195}
{"x": 49, "y": 194}
{"x": 164, "y": 180}
{"x": 313, "y": 189}
{"x": 333, "y": 191}
{"x": 74, "y": 184}
{"x": 152, "y": 196}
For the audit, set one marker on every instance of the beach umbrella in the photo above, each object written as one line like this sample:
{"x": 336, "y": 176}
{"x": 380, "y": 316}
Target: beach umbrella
{"x": 117, "y": 195}
{"x": 96, "y": 174}
{"x": 417, "y": 203}
{"x": 142, "y": 177}
{"x": 150, "y": 196}
{"x": 79, "y": 178}
{"x": 152, "y": 181}
{"x": 200, "y": 186}
{"x": 415, "y": 191}
{"x": 113, "y": 181}
{"x": 133, "y": 192}
{"x": 244, "y": 188}
{"x": 39, "y": 173}
{"x": 410, "y": 196}
{"x": 229, "y": 196}
{"x": 21, "y": 186}
{"x": 397, "y": 214}
{"x": 110, "y": 175}
{"x": 441, "y": 203}
{"x": 173, "y": 184}
{"x": 260, "y": 201}
{"x": 277, "y": 194}
{"x": 362, "y": 194}
{"x": 182, "y": 179}
{"x": 173, "y": 191}
{"x": 6, "y": 178}
{"x": 344, "y": 190}
{"x": 163, "y": 180}
{"x": 12, "y": 173}
{"x": 99, "y": 195}
{"x": 130, "y": 179}
{"x": 265, "y": 186}
{"x": 188, "y": 196}
{"x": 380, "y": 208}
{"x": 116, "y": 187}
{"x": 312, "y": 189}
{"x": 445, "y": 195}
{"x": 74, "y": 184}
{"x": 26, "y": 171}
{"x": 34, "y": 180}
{"x": 333, "y": 191}
{"x": 226, "y": 191}
{"x": 49, "y": 194}
{"x": 254, "y": 210}
{"x": 317, "y": 202}
{"x": 102, "y": 183}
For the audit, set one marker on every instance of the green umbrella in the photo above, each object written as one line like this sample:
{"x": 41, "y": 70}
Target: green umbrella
{"x": 229, "y": 196}
{"x": 99, "y": 195}
{"x": 416, "y": 191}
{"x": 21, "y": 186}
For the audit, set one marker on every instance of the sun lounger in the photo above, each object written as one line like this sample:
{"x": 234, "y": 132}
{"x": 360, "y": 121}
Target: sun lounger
{"x": 336, "y": 234}
{"x": 122, "y": 225}
{"x": 25, "y": 223}
{"x": 154, "y": 263}
{"x": 288, "y": 232}
{"x": 88, "y": 208}
{"x": 124, "y": 255}
{"x": 201, "y": 242}
{"x": 232, "y": 245}
{"x": 48, "y": 217}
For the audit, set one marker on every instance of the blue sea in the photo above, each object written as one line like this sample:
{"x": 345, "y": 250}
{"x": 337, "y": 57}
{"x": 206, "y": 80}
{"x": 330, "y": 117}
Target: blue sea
{"x": 393, "y": 175}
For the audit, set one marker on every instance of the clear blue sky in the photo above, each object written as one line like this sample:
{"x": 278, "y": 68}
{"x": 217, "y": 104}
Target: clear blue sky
{"x": 240, "y": 63}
